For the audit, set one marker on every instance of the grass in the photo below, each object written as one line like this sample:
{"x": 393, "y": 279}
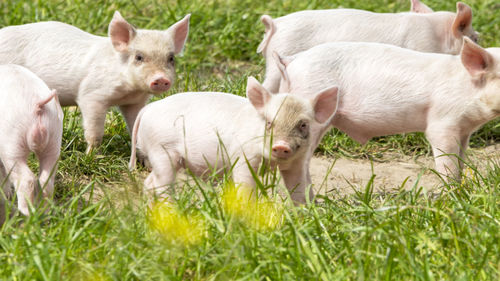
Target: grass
{"x": 406, "y": 235}
{"x": 100, "y": 226}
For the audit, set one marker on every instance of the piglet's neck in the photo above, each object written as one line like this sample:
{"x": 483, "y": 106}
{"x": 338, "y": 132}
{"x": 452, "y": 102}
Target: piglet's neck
{"x": 255, "y": 134}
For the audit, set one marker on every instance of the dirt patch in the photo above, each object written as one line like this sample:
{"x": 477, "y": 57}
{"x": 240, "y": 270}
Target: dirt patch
{"x": 343, "y": 175}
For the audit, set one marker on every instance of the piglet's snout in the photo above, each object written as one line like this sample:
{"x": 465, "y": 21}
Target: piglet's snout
{"x": 281, "y": 149}
{"x": 160, "y": 84}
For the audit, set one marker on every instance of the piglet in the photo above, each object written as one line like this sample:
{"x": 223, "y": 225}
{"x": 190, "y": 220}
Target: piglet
{"x": 384, "y": 90}
{"x": 207, "y": 131}
{"x": 31, "y": 122}
{"x": 421, "y": 30}
{"x": 97, "y": 72}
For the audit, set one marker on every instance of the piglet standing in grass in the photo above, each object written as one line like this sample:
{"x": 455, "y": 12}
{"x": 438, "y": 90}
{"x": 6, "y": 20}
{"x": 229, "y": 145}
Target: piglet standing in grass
{"x": 384, "y": 90}
{"x": 97, "y": 72}
{"x": 422, "y": 30}
{"x": 205, "y": 131}
{"x": 31, "y": 122}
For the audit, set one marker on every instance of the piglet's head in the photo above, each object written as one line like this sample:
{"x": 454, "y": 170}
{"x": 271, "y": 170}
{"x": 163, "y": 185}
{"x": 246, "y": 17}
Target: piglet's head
{"x": 288, "y": 118}
{"x": 484, "y": 70}
{"x": 148, "y": 55}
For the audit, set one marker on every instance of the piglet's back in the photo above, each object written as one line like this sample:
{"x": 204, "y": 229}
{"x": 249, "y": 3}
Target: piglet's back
{"x": 20, "y": 91}
{"x": 194, "y": 114}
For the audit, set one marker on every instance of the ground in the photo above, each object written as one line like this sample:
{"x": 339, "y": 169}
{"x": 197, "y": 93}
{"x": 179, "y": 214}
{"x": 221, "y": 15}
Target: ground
{"x": 344, "y": 175}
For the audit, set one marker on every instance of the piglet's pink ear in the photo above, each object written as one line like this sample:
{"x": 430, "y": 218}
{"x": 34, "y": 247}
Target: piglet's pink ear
{"x": 419, "y": 7}
{"x": 462, "y": 20}
{"x": 325, "y": 104}
{"x": 121, "y": 32}
{"x": 179, "y": 31}
{"x": 257, "y": 94}
{"x": 282, "y": 63}
{"x": 475, "y": 59}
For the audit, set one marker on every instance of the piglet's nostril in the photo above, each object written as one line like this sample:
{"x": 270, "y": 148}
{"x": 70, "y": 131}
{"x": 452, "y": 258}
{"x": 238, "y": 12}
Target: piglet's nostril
{"x": 281, "y": 150}
{"x": 160, "y": 84}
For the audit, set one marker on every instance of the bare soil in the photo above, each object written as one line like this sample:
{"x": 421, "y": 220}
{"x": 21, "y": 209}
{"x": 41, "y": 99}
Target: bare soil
{"x": 343, "y": 175}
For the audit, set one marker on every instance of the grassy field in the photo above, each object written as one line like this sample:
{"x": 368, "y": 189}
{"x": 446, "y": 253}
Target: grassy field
{"x": 101, "y": 226}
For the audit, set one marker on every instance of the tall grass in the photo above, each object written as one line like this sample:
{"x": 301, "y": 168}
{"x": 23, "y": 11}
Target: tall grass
{"x": 410, "y": 235}
{"x": 99, "y": 226}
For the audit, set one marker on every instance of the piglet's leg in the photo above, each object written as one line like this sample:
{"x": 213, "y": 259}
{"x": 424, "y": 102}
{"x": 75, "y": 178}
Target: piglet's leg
{"x": 24, "y": 182}
{"x": 165, "y": 165}
{"x": 94, "y": 115}
{"x": 242, "y": 176}
{"x": 464, "y": 144}
{"x": 48, "y": 167}
{"x": 446, "y": 150}
{"x": 4, "y": 181}
{"x": 317, "y": 133}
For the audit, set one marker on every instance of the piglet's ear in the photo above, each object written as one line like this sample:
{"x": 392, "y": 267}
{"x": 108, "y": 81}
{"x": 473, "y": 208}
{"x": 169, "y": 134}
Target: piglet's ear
{"x": 121, "y": 32}
{"x": 179, "y": 31}
{"x": 282, "y": 63}
{"x": 325, "y": 104}
{"x": 462, "y": 20}
{"x": 419, "y": 7}
{"x": 475, "y": 59}
{"x": 257, "y": 94}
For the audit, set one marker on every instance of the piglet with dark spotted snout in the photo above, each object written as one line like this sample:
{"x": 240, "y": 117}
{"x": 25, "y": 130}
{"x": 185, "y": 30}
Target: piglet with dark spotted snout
{"x": 207, "y": 132}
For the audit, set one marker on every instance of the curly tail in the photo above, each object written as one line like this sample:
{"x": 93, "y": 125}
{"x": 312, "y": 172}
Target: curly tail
{"x": 132, "y": 163}
{"x": 270, "y": 29}
{"x": 37, "y": 139}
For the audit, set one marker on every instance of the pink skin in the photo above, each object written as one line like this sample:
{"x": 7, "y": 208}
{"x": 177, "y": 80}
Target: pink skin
{"x": 421, "y": 30}
{"x": 160, "y": 83}
{"x": 281, "y": 150}
{"x": 95, "y": 72}
{"x": 27, "y": 102}
{"x": 388, "y": 90}
{"x": 207, "y": 132}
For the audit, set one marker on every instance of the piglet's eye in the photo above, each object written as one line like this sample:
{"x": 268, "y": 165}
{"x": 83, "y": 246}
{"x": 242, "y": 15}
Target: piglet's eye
{"x": 171, "y": 59}
{"x": 139, "y": 57}
{"x": 269, "y": 123}
{"x": 304, "y": 127}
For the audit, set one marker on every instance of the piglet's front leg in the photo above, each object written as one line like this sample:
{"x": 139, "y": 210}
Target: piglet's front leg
{"x": 243, "y": 178}
{"x": 94, "y": 116}
{"x": 446, "y": 148}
